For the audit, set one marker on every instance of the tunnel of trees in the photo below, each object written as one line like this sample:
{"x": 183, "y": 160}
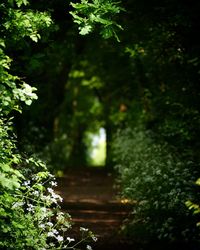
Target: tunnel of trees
{"x": 71, "y": 69}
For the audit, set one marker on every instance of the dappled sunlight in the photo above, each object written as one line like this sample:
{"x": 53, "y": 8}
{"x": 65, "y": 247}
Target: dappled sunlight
{"x": 89, "y": 196}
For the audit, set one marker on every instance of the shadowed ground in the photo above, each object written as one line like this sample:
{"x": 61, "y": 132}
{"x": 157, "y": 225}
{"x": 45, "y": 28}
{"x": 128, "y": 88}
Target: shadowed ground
{"x": 90, "y": 198}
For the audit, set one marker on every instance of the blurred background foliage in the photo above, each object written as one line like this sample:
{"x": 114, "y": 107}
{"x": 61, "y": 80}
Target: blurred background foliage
{"x": 85, "y": 83}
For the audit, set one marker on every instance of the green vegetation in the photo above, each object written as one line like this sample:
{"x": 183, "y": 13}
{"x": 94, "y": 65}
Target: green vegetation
{"x": 152, "y": 174}
{"x": 88, "y": 15}
{"x": 30, "y": 215}
{"x": 130, "y": 67}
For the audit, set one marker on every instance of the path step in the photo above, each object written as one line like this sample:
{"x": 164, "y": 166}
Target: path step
{"x": 96, "y": 206}
{"x": 91, "y": 200}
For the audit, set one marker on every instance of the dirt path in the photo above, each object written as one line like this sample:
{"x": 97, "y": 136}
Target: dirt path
{"x": 90, "y": 198}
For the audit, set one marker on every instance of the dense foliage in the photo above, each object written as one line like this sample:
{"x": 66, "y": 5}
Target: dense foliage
{"x": 150, "y": 78}
{"x": 159, "y": 182}
{"x": 157, "y": 86}
{"x": 87, "y": 15}
{"x": 30, "y": 215}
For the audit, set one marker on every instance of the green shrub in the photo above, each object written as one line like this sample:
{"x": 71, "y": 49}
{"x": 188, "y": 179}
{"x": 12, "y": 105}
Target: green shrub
{"x": 30, "y": 215}
{"x": 153, "y": 175}
{"x": 27, "y": 219}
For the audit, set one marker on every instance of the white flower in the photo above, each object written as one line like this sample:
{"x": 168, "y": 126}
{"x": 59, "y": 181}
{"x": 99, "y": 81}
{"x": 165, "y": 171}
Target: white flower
{"x": 60, "y": 213}
{"x": 94, "y": 238}
{"x": 18, "y": 204}
{"x": 26, "y": 183}
{"x": 30, "y": 208}
{"x": 50, "y": 224}
{"x": 47, "y": 199}
{"x": 70, "y": 239}
{"x": 43, "y": 209}
{"x": 60, "y": 216}
{"x": 36, "y": 193}
{"x": 82, "y": 229}
{"x": 56, "y": 196}
{"x": 55, "y": 231}
{"x": 60, "y": 238}
{"x": 50, "y": 234}
{"x": 60, "y": 198}
{"x": 64, "y": 229}
{"x": 53, "y": 183}
{"x": 53, "y": 200}
{"x": 42, "y": 226}
{"x": 88, "y": 247}
{"x": 50, "y": 190}
{"x": 34, "y": 177}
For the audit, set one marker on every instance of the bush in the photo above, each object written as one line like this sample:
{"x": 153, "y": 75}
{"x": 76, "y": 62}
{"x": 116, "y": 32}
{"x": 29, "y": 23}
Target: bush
{"x": 30, "y": 215}
{"x": 153, "y": 175}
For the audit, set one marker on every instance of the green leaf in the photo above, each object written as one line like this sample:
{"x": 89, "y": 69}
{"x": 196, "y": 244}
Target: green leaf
{"x": 86, "y": 15}
{"x": 85, "y": 30}
{"x": 5, "y": 167}
{"x": 43, "y": 174}
{"x": 39, "y": 187}
{"x": 21, "y": 2}
{"x": 28, "y": 102}
{"x": 3, "y": 212}
{"x": 198, "y": 182}
{"x": 34, "y": 37}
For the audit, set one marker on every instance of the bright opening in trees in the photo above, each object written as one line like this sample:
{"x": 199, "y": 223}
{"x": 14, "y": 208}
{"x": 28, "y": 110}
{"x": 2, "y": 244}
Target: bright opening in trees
{"x": 97, "y": 148}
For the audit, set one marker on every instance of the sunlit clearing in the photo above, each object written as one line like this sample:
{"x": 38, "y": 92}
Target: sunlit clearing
{"x": 98, "y": 148}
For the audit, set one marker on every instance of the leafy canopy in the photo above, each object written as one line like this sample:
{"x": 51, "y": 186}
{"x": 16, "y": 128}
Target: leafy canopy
{"x": 100, "y": 13}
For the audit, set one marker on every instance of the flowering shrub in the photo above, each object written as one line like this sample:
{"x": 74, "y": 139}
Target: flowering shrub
{"x": 30, "y": 215}
{"x": 160, "y": 183}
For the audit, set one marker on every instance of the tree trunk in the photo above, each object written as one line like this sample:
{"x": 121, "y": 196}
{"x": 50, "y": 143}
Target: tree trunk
{"x": 78, "y": 152}
{"x": 108, "y": 129}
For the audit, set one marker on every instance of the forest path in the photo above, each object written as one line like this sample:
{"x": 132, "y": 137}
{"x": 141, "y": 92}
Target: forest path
{"x": 90, "y": 198}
